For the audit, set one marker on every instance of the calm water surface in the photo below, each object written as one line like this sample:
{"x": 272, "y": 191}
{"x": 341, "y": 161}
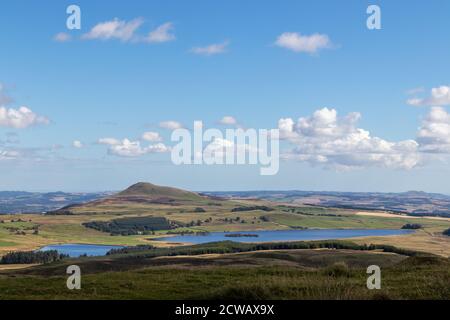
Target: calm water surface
{"x": 76, "y": 250}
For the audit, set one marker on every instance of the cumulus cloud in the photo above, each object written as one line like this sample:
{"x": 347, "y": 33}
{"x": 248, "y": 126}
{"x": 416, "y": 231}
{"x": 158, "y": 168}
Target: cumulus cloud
{"x": 170, "y": 125}
{"x": 128, "y": 148}
{"x": 286, "y": 127}
{"x": 211, "y": 49}
{"x": 62, "y": 37}
{"x": 77, "y": 144}
{"x": 303, "y": 43}
{"x": 20, "y": 118}
{"x": 439, "y": 96}
{"x": 216, "y": 151}
{"x": 157, "y": 148}
{"x": 126, "y": 31}
{"x": 434, "y": 133}
{"x": 151, "y": 136}
{"x": 163, "y": 33}
{"x": 114, "y": 29}
{"x": 228, "y": 121}
{"x": 329, "y": 140}
{"x": 108, "y": 141}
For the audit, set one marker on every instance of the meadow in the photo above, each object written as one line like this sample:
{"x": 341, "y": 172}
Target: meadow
{"x": 17, "y": 232}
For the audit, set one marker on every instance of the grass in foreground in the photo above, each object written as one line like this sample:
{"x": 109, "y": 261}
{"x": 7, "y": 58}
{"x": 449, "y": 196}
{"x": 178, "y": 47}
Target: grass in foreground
{"x": 266, "y": 274}
{"x": 414, "y": 278}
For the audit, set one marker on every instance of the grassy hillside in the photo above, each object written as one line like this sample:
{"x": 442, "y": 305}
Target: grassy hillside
{"x": 427, "y": 281}
{"x": 144, "y": 189}
{"x": 141, "y": 197}
{"x": 270, "y": 274}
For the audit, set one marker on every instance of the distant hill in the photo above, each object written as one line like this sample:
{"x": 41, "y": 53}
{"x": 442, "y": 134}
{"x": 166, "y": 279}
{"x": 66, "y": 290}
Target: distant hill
{"x": 145, "y": 197}
{"x": 151, "y": 191}
{"x": 140, "y": 196}
{"x": 144, "y": 192}
{"x": 12, "y": 202}
{"x": 414, "y": 203}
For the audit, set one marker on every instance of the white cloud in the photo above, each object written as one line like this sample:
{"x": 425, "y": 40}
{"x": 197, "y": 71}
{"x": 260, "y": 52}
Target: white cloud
{"x": 440, "y": 96}
{"x": 303, "y": 43}
{"x": 286, "y": 127}
{"x": 219, "y": 148}
{"x": 170, "y": 125}
{"x": 114, "y": 29}
{"x": 128, "y": 148}
{"x": 161, "y": 34}
{"x": 62, "y": 37}
{"x": 228, "y": 121}
{"x": 77, "y": 144}
{"x": 157, "y": 148}
{"x": 151, "y": 136}
{"x": 326, "y": 139}
{"x": 108, "y": 141}
{"x": 212, "y": 49}
{"x": 20, "y": 118}
{"x": 434, "y": 133}
{"x": 125, "y": 31}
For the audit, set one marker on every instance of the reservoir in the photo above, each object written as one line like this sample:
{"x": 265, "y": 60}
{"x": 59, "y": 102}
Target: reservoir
{"x": 76, "y": 250}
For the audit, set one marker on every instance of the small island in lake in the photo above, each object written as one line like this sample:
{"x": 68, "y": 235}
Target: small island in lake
{"x": 238, "y": 235}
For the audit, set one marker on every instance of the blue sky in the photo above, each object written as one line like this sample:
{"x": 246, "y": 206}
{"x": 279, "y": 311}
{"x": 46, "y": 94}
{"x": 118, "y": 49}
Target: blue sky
{"x": 89, "y": 88}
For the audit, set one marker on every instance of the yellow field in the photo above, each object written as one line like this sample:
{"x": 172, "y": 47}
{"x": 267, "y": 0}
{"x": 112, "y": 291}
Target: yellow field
{"x": 392, "y": 215}
{"x": 421, "y": 240}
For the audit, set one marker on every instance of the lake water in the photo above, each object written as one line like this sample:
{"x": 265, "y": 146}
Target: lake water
{"x": 76, "y": 250}
{"x": 285, "y": 235}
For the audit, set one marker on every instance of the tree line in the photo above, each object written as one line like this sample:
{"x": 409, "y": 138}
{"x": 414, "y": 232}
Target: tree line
{"x": 234, "y": 247}
{"x": 29, "y": 257}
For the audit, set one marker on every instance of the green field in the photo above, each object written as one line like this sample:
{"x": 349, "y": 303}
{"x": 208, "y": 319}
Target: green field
{"x": 348, "y": 221}
{"x": 54, "y": 229}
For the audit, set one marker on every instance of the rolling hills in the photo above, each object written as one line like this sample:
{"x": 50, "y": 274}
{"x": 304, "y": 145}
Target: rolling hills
{"x": 413, "y": 203}
{"x": 15, "y": 202}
